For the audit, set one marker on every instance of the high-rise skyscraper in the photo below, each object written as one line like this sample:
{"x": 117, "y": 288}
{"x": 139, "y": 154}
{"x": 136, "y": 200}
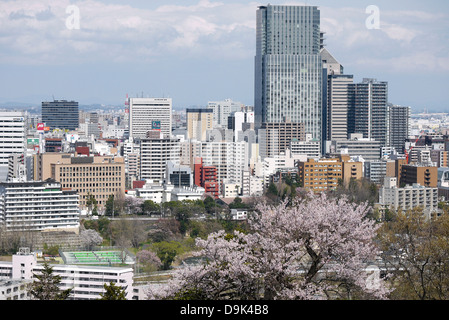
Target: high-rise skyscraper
{"x": 288, "y": 66}
{"x": 61, "y": 114}
{"x": 368, "y": 112}
{"x": 336, "y": 98}
{"x": 399, "y": 126}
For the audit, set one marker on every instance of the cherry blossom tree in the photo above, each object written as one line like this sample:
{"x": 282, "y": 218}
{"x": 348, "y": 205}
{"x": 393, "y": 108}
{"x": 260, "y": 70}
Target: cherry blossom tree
{"x": 315, "y": 248}
{"x": 90, "y": 238}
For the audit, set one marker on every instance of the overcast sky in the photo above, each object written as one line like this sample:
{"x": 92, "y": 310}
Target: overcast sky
{"x": 196, "y": 51}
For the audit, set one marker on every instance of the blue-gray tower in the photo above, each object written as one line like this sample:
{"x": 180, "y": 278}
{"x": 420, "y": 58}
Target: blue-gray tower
{"x": 288, "y": 67}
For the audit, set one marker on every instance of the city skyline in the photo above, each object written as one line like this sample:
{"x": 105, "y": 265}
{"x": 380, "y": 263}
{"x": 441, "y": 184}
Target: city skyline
{"x": 200, "y": 51}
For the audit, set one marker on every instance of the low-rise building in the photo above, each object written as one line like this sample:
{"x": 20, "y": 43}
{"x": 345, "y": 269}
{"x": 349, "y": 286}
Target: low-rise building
{"x": 86, "y": 282}
{"x": 408, "y": 197}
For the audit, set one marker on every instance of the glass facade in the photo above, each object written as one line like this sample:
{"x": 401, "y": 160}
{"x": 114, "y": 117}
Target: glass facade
{"x": 288, "y": 66}
{"x": 60, "y": 114}
{"x": 368, "y": 112}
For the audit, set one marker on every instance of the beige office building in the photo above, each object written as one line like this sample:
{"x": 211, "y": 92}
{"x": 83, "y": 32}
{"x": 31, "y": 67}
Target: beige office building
{"x": 198, "y": 121}
{"x": 99, "y": 176}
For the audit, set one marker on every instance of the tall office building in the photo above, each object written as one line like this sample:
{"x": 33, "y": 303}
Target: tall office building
{"x": 61, "y": 114}
{"x": 12, "y": 139}
{"x": 288, "y": 66}
{"x": 336, "y": 98}
{"x": 147, "y": 114}
{"x": 399, "y": 126}
{"x": 368, "y": 112}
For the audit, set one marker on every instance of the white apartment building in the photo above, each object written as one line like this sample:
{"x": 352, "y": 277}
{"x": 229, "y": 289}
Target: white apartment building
{"x": 154, "y": 154}
{"x": 284, "y": 160}
{"x": 409, "y": 197}
{"x": 222, "y": 110}
{"x": 309, "y": 147}
{"x": 37, "y": 206}
{"x": 86, "y": 282}
{"x": 149, "y": 113}
{"x": 230, "y": 159}
{"x": 152, "y": 191}
{"x": 131, "y": 154}
{"x": 163, "y": 192}
{"x": 375, "y": 170}
{"x": 12, "y": 138}
{"x": 356, "y": 145}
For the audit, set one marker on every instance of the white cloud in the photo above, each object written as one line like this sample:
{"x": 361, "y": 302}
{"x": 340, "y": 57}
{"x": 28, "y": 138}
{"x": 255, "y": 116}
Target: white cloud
{"x": 106, "y": 29}
{"x": 35, "y": 32}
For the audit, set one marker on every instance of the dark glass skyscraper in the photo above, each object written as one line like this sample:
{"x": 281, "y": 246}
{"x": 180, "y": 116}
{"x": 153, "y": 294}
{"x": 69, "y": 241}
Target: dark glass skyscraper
{"x": 288, "y": 67}
{"x": 60, "y": 114}
{"x": 368, "y": 112}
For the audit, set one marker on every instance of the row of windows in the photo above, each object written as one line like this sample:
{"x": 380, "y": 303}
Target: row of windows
{"x": 90, "y": 168}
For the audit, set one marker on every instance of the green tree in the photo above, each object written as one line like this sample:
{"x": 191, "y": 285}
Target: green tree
{"x": 113, "y": 292}
{"x": 91, "y": 203}
{"x": 237, "y": 204}
{"x": 46, "y": 286}
{"x": 416, "y": 250}
{"x": 149, "y": 207}
{"x": 167, "y": 252}
{"x": 109, "y": 207}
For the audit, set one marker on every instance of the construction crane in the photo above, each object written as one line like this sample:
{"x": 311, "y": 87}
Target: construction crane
{"x": 411, "y": 147}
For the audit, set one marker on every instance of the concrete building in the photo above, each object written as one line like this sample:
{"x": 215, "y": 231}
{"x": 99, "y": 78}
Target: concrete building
{"x": 376, "y": 170}
{"x": 206, "y": 177}
{"x": 320, "y": 175}
{"x": 154, "y": 155}
{"x": 275, "y": 138}
{"x": 285, "y": 160}
{"x": 399, "y": 126}
{"x": 12, "y": 138}
{"x": 229, "y": 158}
{"x": 222, "y": 110}
{"x": 198, "y": 122}
{"x": 443, "y": 183}
{"x": 38, "y": 206}
{"x": 309, "y": 147}
{"x": 368, "y": 113}
{"x": 288, "y": 67}
{"x": 424, "y": 175}
{"x": 86, "y": 282}
{"x": 131, "y": 154}
{"x": 356, "y": 145}
{"x": 17, "y": 167}
{"x": 338, "y": 104}
{"x": 152, "y": 191}
{"x": 60, "y": 114}
{"x": 408, "y": 197}
{"x": 240, "y": 122}
{"x": 97, "y": 176}
{"x": 178, "y": 175}
{"x": 147, "y": 114}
